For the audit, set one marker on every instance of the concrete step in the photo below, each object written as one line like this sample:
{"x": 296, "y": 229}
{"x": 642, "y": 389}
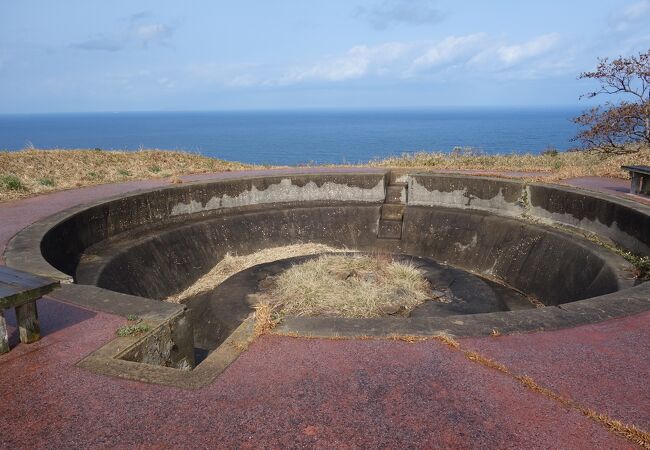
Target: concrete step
{"x": 396, "y": 194}
{"x": 398, "y": 177}
{"x": 392, "y": 211}
{"x": 389, "y": 229}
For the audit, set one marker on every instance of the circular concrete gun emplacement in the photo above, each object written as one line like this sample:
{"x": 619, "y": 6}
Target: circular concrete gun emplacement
{"x": 499, "y": 256}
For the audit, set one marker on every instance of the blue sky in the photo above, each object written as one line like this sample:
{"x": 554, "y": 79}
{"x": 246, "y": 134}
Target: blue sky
{"x": 70, "y": 56}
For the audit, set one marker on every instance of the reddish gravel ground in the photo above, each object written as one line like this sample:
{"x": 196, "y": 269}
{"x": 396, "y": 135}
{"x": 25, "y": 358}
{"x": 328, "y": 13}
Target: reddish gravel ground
{"x": 287, "y": 392}
{"x": 283, "y": 392}
{"x": 604, "y": 365}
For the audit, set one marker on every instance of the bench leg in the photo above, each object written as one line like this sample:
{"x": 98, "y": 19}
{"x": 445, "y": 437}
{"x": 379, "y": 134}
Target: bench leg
{"x": 27, "y": 319}
{"x": 4, "y": 336}
{"x": 635, "y": 184}
{"x": 645, "y": 185}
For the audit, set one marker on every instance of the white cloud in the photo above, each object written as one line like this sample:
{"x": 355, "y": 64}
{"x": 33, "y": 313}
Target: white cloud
{"x": 449, "y": 51}
{"x": 359, "y": 61}
{"x": 134, "y": 32}
{"x": 153, "y": 32}
{"x": 629, "y": 17}
{"x": 410, "y": 12}
{"x": 513, "y": 54}
{"x": 453, "y": 56}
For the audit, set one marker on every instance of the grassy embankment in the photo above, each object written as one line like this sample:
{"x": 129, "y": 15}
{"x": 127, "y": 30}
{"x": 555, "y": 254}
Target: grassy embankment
{"x": 32, "y": 172}
{"x": 550, "y": 166}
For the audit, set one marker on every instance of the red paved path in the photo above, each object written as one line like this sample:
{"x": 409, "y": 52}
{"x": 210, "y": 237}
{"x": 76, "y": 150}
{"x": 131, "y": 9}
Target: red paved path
{"x": 286, "y": 392}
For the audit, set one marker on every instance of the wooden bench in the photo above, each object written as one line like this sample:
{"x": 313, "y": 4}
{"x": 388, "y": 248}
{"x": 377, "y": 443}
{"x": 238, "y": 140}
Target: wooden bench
{"x": 20, "y": 290}
{"x": 640, "y": 179}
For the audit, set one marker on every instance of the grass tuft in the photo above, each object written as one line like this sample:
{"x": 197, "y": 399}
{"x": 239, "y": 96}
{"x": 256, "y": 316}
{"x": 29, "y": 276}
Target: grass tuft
{"x": 11, "y": 183}
{"x": 133, "y": 329}
{"x": 265, "y": 319}
{"x": 352, "y": 286}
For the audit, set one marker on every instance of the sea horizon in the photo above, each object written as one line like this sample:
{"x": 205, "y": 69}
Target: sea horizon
{"x": 300, "y": 136}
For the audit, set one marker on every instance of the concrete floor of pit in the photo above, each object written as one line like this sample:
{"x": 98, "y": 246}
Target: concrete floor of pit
{"x": 289, "y": 392}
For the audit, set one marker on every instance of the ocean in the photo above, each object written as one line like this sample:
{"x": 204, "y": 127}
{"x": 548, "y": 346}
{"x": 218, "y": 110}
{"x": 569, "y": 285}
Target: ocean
{"x": 298, "y": 137}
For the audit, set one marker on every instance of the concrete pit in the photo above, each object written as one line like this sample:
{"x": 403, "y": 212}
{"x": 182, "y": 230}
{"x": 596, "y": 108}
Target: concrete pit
{"x": 503, "y": 248}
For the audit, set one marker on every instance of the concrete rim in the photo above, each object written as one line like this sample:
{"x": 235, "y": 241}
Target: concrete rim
{"x": 24, "y": 252}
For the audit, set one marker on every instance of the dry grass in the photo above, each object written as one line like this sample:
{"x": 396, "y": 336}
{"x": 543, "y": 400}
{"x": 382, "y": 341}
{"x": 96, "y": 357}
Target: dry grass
{"x": 409, "y": 338}
{"x": 265, "y": 319}
{"x": 447, "y": 340}
{"x": 30, "y": 172}
{"x": 629, "y": 432}
{"x": 487, "y": 362}
{"x": 352, "y": 286}
{"x": 231, "y": 264}
{"x": 545, "y": 167}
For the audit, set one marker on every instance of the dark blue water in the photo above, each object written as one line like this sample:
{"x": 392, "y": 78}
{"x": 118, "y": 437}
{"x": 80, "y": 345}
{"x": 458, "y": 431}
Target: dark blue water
{"x": 298, "y": 136}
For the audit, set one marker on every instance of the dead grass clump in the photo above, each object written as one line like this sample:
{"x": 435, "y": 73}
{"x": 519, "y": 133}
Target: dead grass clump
{"x": 447, "y": 340}
{"x": 487, "y": 362}
{"x": 358, "y": 286}
{"x": 409, "y": 338}
{"x": 30, "y": 172}
{"x": 231, "y": 264}
{"x": 265, "y": 319}
{"x": 630, "y": 432}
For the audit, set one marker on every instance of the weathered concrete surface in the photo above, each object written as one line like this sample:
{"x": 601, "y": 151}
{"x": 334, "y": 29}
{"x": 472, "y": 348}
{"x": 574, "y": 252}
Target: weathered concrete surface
{"x": 127, "y": 212}
{"x": 622, "y": 220}
{"x": 265, "y": 191}
{"x": 282, "y": 392}
{"x": 141, "y": 245}
{"x": 161, "y": 261}
{"x": 612, "y": 186}
{"x": 170, "y": 344}
{"x": 167, "y": 260}
{"x": 504, "y": 197}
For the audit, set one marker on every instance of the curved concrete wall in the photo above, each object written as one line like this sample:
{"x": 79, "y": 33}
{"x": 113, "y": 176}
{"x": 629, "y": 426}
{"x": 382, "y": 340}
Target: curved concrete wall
{"x": 154, "y": 243}
{"x": 625, "y": 222}
{"x": 167, "y": 260}
{"x": 63, "y": 244}
{"x": 552, "y": 266}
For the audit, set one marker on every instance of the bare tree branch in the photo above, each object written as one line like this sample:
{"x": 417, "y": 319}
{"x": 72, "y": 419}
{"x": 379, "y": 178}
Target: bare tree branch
{"x": 613, "y": 126}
